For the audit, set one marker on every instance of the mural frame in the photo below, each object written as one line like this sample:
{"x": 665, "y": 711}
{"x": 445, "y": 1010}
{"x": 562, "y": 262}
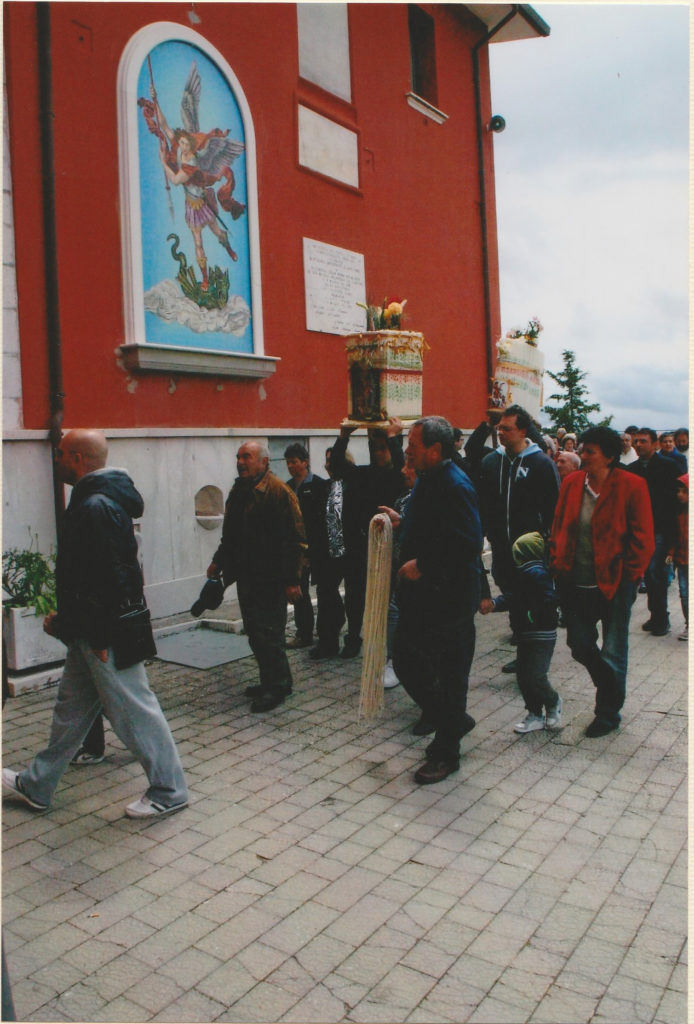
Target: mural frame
{"x": 137, "y": 352}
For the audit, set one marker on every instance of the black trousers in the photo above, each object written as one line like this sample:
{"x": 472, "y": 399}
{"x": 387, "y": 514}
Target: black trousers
{"x": 432, "y": 655}
{"x": 303, "y": 608}
{"x": 95, "y": 742}
{"x": 264, "y": 613}
{"x": 332, "y": 610}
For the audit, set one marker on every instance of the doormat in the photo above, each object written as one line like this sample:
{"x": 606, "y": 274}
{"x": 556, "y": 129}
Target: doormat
{"x": 202, "y": 648}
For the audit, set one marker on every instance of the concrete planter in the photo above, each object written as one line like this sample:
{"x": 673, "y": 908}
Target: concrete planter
{"x": 26, "y": 644}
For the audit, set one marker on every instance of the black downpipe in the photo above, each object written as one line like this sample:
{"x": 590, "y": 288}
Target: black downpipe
{"x": 482, "y": 186}
{"x": 50, "y": 251}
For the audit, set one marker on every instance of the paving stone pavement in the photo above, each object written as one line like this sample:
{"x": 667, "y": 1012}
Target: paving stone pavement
{"x": 311, "y": 879}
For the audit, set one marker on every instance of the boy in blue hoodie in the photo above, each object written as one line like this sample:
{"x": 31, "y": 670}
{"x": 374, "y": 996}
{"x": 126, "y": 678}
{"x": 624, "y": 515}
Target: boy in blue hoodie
{"x": 537, "y": 632}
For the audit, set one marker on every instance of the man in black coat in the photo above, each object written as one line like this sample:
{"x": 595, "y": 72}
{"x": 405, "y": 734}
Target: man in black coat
{"x": 438, "y": 593}
{"x": 311, "y": 492}
{"x": 660, "y": 473}
{"x": 262, "y": 550}
{"x": 98, "y": 579}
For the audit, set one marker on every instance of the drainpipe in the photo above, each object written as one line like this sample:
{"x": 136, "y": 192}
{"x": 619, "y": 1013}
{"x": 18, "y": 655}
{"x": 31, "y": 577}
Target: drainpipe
{"x": 50, "y": 258}
{"x": 482, "y": 185}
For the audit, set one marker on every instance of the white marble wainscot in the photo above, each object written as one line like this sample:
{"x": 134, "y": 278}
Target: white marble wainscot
{"x": 168, "y": 466}
{"x": 168, "y": 471}
{"x": 27, "y": 491}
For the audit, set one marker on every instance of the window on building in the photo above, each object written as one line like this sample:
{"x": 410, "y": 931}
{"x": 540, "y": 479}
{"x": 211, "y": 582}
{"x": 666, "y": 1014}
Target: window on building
{"x": 324, "y": 47}
{"x": 422, "y": 54}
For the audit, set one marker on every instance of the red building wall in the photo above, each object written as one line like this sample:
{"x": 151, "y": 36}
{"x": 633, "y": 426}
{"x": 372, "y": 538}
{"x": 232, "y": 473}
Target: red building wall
{"x": 416, "y": 217}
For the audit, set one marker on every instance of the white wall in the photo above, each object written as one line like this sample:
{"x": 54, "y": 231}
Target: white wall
{"x": 168, "y": 471}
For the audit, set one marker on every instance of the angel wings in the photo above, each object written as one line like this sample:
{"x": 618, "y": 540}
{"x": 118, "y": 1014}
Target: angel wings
{"x": 216, "y": 151}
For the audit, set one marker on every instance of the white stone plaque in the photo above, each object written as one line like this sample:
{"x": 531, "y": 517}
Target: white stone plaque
{"x": 335, "y": 282}
{"x": 327, "y": 147}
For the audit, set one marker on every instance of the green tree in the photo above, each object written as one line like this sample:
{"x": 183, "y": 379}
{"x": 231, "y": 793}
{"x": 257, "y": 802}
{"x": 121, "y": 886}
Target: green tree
{"x": 574, "y": 410}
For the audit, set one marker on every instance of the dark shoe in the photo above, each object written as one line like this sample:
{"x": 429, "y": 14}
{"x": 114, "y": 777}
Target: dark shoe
{"x": 660, "y": 631}
{"x": 351, "y": 648}
{"x": 84, "y": 757}
{"x": 435, "y": 771}
{"x": 423, "y": 727}
{"x": 434, "y": 754}
{"x": 510, "y": 667}
{"x": 298, "y": 642}
{"x": 599, "y": 727}
{"x": 647, "y": 626}
{"x": 267, "y": 700}
{"x": 642, "y": 588}
{"x": 322, "y": 651}
{"x": 255, "y": 691}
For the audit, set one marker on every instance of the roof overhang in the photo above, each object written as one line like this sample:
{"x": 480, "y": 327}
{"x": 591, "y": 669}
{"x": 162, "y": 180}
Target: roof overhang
{"x": 526, "y": 23}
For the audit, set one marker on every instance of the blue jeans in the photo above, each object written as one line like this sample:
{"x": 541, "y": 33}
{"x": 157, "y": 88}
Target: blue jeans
{"x": 607, "y": 665}
{"x": 659, "y": 576}
{"x": 87, "y": 686}
{"x": 534, "y": 654}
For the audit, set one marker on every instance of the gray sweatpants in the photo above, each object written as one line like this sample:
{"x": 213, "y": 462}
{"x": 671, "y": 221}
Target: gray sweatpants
{"x": 89, "y": 685}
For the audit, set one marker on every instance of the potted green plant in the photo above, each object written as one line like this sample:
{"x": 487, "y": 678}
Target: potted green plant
{"x": 28, "y": 581}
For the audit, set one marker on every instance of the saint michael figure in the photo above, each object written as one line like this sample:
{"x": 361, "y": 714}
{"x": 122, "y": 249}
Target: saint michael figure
{"x": 197, "y": 161}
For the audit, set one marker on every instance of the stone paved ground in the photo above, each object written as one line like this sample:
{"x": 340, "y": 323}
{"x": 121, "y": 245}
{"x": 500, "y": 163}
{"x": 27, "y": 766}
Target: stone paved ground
{"x": 312, "y": 880}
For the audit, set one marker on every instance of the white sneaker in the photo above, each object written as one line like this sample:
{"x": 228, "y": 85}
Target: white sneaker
{"x": 11, "y": 788}
{"x": 146, "y": 808}
{"x": 553, "y": 716}
{"x": 685, "y": 634}
{"x": 531, "y": 723}
{"x": 389, "y": 677}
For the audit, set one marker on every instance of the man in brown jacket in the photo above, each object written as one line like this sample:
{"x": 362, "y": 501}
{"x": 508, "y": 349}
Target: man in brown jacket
{"x": 262, "y": 550}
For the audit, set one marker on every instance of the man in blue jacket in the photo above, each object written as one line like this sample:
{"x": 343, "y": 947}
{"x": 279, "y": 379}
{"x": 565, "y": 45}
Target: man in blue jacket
{"x": 98, "y": 579}
{"x": 438, "y": 593}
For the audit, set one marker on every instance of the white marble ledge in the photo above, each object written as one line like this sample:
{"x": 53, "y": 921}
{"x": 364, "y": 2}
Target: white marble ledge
{"x": 177, "y": 359}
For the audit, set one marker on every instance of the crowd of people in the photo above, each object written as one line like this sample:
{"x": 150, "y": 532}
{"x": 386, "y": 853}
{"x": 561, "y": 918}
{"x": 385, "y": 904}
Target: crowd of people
{"x": 575, "y": 525}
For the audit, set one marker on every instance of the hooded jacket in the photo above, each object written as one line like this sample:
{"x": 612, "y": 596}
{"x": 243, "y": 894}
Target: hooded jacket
{"x": 517, "y": 494}
{"x": 97, "y": 570}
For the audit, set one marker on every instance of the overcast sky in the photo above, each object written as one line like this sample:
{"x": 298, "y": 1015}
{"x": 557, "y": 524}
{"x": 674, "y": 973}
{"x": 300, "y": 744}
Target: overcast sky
{"x": 592, "y": 200}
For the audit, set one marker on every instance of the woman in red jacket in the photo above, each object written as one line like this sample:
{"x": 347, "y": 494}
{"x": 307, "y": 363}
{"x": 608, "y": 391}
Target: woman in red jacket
{"x": 600, "y": 546}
